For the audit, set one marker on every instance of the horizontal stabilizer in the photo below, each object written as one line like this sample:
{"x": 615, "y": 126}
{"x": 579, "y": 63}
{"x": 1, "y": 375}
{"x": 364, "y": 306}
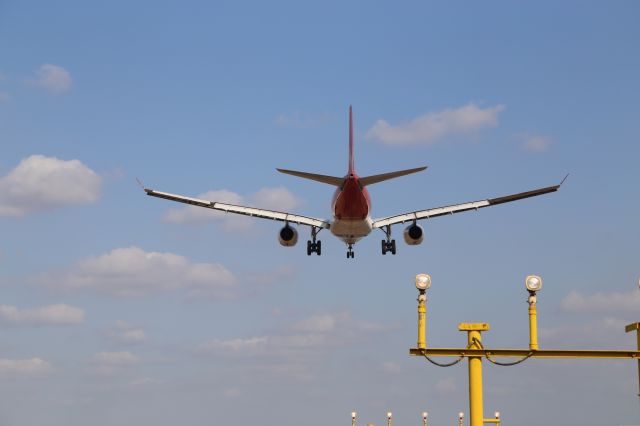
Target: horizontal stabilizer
{"x": 370, "y": 180}
{"x": 331, "y": 180}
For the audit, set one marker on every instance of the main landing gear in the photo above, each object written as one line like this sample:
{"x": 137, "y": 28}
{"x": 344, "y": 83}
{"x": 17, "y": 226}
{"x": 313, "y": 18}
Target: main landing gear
{"x": 388, "y": 244}
{"x": 314, "y": 246}
{"x": 350, "y": 253}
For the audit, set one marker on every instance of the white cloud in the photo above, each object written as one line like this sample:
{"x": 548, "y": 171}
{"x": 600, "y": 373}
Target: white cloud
{"x": 322, "y": 323}
{"x": 115, "y": 358}
{"x": 315, "y": 334}
{"x": 126, "y": 334}
{"x": 42, "y": 183}
{"x": 110, "y": 363}
{"x": 602, "y": 302}
{"x": 296, "y": 350}
{"x": 24, "y": 367}
{"x": 536, "y": 143}
{"x": 431, "y": 127}
{"x": 47, "y": 315}
{"x": 53, "y": 78}
{"x": 279, "y": 199}
{"x": 146, "y": 381}
{"x": 133, "y": 272}
{"x": 251, "y": 346}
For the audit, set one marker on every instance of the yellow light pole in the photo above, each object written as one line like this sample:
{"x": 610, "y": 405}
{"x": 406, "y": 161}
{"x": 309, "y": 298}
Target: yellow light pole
{"x": 424, "y": 418}
{"x": 475, "y": 351}
{"x": 635, "y": 326}
{"x": 353, "y": 418}
{"x": 423, "y": 282}
{"x": 389, "y": 418}
{"x": 461, "y": 418}
{"x": 474, "y": 341}
{"x": 533, "y": 283}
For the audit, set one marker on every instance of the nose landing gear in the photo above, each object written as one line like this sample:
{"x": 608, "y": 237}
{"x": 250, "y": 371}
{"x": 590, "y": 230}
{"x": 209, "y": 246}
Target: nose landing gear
{"x": 350, "y": 253}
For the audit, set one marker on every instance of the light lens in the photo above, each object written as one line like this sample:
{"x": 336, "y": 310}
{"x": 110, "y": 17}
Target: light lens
{"x": 389, "y": 415}
{"x": 461, "y": 414}
{"x": 533, "y": 283}
{"x": 353, "y": 415}
{"x": 423, "y": 281}
{"x": 424, "y": 415}
{"x": 497, "y": 414}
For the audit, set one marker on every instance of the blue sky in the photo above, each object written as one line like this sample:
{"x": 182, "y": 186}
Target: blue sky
{"x": 121, "y": 309}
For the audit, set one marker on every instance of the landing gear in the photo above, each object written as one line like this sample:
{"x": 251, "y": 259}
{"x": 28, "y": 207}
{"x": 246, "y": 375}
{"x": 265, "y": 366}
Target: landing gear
{"x": 350, "y": 253}
{"x": 388, "y": 244}
{"x": 314, "y": 246}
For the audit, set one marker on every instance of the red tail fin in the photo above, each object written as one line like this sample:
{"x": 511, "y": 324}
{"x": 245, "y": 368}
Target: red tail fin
{"x": 352, "y": 168}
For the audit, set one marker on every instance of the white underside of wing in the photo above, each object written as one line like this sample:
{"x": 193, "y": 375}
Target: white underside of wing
{"x": 247, "y": 211}
{"x": 426, "y": 214}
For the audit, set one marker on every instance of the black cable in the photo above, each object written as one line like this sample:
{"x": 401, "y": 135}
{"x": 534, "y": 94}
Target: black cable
{"x": 444, "y": 364}
{"x": 502, "y": 364}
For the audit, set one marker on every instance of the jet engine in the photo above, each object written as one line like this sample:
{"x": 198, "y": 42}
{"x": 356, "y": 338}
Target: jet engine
{"x": 413, "y": 234}
{"x": 288, "y": 236}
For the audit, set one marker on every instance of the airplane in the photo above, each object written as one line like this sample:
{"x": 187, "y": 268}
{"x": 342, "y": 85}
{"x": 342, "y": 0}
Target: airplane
{"x": 351, "y": 206}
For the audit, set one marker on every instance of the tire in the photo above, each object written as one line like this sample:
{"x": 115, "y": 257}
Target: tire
{"x": 393, "y": 247}
{"x": 384, "y": 247}
{"x": 308, "y": 248}
{"x": 318, "y": 247}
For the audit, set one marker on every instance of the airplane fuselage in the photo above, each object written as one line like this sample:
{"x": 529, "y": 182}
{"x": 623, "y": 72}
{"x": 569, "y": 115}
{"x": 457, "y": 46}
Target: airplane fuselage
{"x": 351, "y": 207}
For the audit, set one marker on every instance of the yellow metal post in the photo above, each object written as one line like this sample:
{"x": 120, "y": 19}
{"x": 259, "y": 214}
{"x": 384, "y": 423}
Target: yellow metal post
{"x": 422, "y": 320}
{"x": 474, "y": 337}
{"x": 533, "y": 322}
{"x": 636, "y": 326}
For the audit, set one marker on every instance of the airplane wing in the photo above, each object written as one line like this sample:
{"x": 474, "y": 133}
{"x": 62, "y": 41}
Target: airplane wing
{"x": 247, "y": 211}
{"x": 457, "y": 208}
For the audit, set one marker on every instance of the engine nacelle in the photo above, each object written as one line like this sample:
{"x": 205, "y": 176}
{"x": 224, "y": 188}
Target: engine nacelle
{"x": 288, "y": 236}
{"x": 413, "y": 234}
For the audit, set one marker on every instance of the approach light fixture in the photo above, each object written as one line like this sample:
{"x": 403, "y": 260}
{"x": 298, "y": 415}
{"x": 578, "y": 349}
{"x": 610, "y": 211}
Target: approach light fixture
{"x": 533, "y": 283}
{"x": 353, "y": 415}
{"x": 423, "y": 281}
{"x": 497, "y": 414}
{"x": 425, "y": 415}
{"x": 461, "y": 415}
{"x": 389, "y": 414}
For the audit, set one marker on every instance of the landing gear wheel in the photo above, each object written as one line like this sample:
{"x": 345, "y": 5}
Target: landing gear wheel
{"x": 388, "y": 246}
{"x": 314, "y": 247}
{"x": 350, "y": 253}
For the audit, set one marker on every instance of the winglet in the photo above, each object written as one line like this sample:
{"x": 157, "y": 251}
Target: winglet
{"x": 140, "y": 184}
{"x": 145, "y": 189}
{"x": 565, "y": 178}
